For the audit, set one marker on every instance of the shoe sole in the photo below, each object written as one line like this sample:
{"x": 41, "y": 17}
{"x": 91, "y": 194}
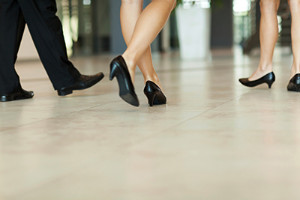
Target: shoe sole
{"x": 14, "y": 98}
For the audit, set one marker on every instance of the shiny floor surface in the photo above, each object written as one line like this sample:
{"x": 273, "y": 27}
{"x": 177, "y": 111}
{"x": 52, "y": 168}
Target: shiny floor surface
{"x": 215, "y": 140}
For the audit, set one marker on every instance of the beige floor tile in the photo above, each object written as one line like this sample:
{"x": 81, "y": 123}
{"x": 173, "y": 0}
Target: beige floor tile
{"x": 214, "y": 140}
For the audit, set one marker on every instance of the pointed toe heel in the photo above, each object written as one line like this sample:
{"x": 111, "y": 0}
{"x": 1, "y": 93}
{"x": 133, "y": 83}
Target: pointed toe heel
{"x": 118, "y": 69}
{"x": 269, "y": 79}
{"x": 154, "y": 94}
{"x": 294, "y": 84}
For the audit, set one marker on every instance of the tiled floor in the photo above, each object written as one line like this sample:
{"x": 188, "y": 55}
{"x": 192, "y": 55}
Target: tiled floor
{"x": 215, "y": 140}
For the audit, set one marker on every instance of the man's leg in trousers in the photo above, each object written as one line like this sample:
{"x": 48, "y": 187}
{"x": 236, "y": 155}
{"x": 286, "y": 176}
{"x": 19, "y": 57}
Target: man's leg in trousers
{"x": 46, "y": 31}
{"x": 11, "y": 31}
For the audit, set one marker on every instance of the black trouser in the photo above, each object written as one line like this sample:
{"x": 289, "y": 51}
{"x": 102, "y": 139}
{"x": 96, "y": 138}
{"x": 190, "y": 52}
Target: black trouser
{"x": 46, "y": 31}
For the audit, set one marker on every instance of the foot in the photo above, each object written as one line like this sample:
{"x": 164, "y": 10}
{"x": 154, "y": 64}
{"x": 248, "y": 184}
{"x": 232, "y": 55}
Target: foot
{"x": 294, "y": 71}
{"x": 119, "y": 69}
{"x": 269, "y": 79}
{"x": 260, "y": 73}
{"x": 294, "y": 84}
{"x": 154, "y": 94}
{"x": 153, "y": 79}
{"x": 83, "y": 82}
{"x": 131, "y": 66}
{"x": 17, "y": 94}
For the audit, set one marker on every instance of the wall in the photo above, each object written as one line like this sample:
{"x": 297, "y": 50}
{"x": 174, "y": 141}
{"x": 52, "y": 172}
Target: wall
{"x": 222, "y": 26}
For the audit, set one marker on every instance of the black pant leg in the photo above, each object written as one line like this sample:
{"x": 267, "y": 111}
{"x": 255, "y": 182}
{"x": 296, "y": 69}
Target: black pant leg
{"x": 46, "y": 31}
{"x": 12, "y": 26}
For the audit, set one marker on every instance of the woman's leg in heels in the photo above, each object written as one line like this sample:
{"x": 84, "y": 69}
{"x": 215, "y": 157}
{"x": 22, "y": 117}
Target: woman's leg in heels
{"x": 268, "y": 37}
{"x": 295, "y": 11}
{"x": 148, "y": 25}
{"x": 130, "y": 13}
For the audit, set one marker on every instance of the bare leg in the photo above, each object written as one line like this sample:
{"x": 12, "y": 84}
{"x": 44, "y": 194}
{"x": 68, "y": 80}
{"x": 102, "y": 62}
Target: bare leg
{"x": 130, "y": 13}
{"x": 268, "y": 37}
{"x": 148, "y": 25}
{"x": 295, "y": 11}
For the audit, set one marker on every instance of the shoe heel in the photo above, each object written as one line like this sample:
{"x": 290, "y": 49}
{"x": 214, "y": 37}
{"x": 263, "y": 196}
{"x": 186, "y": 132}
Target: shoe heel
{"x": 270, "y": 84}
{"x": 151, "y": 98}
{"x": 113, "y": 72}
{"x": 64, "y": 93}
{"x": 154, "y": 94}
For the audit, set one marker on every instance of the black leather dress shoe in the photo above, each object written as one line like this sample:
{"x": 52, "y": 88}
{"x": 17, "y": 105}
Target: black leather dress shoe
{"x": 17, "y": 94}
{"x": 294, "y": 84}
{"x": 154, "y": 94}
{"x": 83, "y": 82}
{"x": 118, "y": 69}
{"x": 268, "y": 79}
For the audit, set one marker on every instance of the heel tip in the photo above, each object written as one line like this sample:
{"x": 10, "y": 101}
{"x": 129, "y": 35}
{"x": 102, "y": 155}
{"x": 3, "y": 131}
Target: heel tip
{"x": 64, "y": 93}
{"x": 111, "y": 77}
{"x": 270, "y": 85}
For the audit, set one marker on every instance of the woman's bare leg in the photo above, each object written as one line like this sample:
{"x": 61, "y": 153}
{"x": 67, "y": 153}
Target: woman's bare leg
{"x": 295, "y": 11}
{"x": 149, "y": 24}
{"x": 268, "y": 37}
{"x": 130, "y": 13}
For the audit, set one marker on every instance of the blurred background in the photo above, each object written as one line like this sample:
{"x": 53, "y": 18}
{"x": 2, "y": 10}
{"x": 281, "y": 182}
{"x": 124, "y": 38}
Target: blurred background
{"x": 92, "y": 27}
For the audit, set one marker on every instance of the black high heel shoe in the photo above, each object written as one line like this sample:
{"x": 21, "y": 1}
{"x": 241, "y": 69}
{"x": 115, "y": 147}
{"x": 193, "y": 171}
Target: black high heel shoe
{"x": 268, "y": 79}
{"x": 118, "y": 68}
{"x": 154, "y": 94}
{"x": 294, "y": 84}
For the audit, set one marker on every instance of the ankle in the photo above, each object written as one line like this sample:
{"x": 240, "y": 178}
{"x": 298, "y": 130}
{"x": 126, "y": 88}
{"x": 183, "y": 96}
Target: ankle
{"x": 265, "y": 68}
{"x": 130, "y": 61}
{"x": 153, "y": 78}
{"x": 295, "y": 70}
{"x": 260, "y": 72}
{"x": 131, "y": 66}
